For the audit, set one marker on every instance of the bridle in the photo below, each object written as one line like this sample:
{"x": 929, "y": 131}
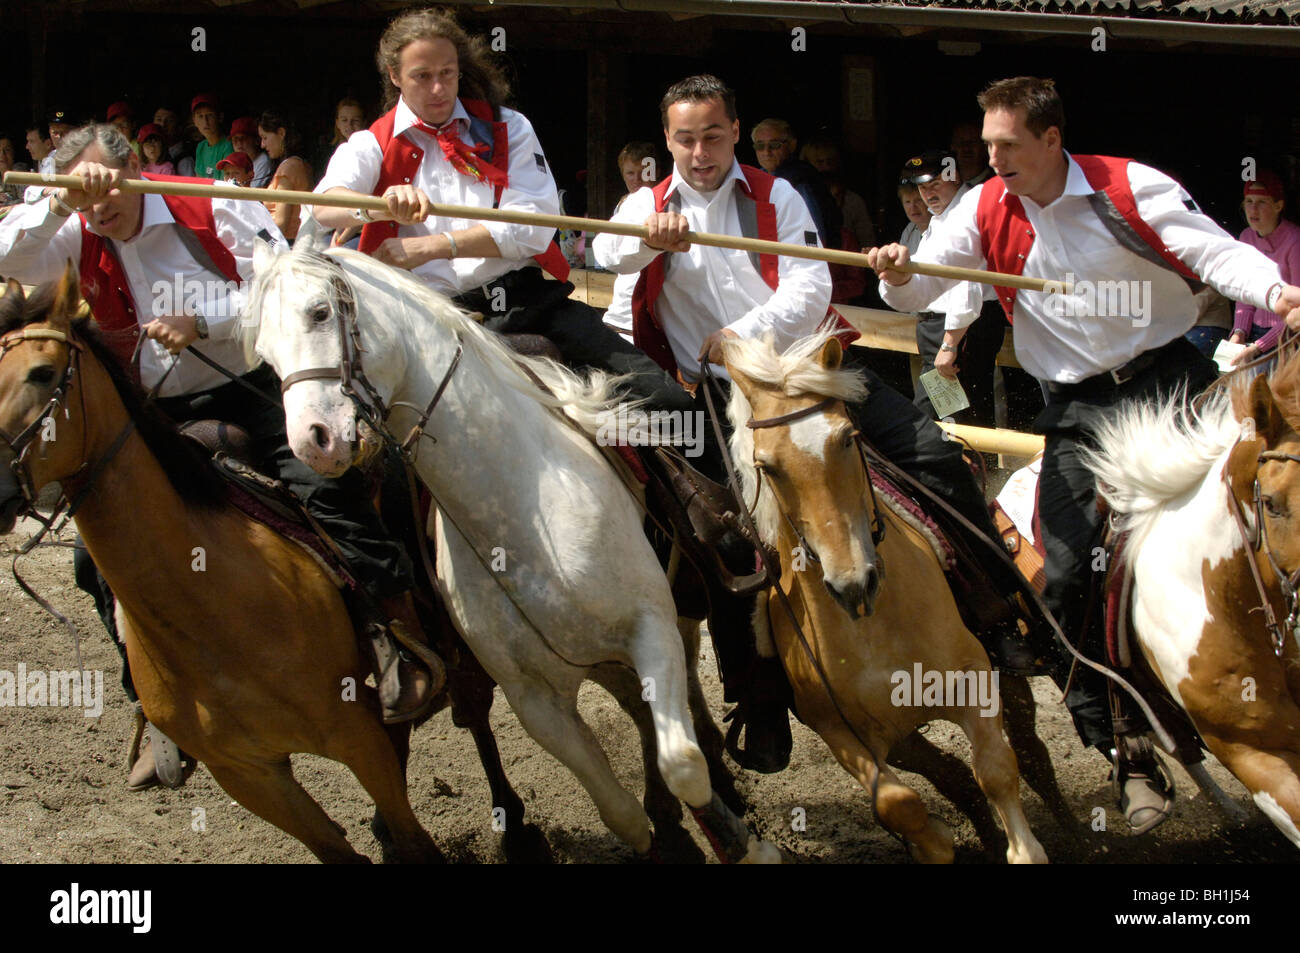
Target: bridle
{"x": 877, "y": 523}
{"x": 365, "y": 397}
{"x": 1256, "y": 541}
{"x": 22, "y": 443}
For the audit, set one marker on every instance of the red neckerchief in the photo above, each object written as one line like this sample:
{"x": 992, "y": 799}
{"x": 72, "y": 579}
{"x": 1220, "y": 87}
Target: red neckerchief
{"x": 465, "y": 159}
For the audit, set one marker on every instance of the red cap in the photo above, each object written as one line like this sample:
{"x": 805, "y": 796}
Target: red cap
{"x": 1266, "y": 183}
{"x": 203, "y": 99}
{"x": 148, "y": 130}
{"x": 244, "y": 126}
{"x": 236, "y": 160}
{"x": 119, "y": 109}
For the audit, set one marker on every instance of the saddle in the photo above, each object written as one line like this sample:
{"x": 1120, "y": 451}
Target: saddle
{"x": 1116, "y": 597}
{"x": 266, "y": 500}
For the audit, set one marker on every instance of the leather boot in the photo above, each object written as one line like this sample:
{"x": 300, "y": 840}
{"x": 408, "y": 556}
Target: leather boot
{"x": 409, "y": 674}
{"x": 1143, "y": 788}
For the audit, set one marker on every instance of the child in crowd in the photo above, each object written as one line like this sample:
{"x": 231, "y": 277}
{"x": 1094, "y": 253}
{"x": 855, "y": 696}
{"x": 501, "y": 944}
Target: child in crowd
{"x": 153, "y": 152}
{"x": 237, "y": 168}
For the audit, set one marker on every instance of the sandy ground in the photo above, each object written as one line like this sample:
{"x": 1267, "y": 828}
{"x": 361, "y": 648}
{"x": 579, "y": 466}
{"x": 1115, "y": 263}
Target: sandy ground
{"x": 62, "y": 794}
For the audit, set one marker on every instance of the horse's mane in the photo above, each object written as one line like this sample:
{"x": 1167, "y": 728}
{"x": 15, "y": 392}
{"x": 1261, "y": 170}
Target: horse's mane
{"x": 1153, "y": 452}
{"x": 186, "y": 466}
{"x": 796, "y": 372}
{"x": 586, "y": 401}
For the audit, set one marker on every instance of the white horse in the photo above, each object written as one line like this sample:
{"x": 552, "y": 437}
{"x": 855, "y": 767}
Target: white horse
{"x": 1174, "y": 479}
{"x": 540, "y": 552}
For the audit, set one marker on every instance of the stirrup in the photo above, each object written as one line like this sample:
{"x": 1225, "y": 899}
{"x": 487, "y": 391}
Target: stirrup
{"x": 1141, "y": 754}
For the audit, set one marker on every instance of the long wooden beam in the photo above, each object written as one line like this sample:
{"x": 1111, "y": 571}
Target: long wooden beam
{"x": 513, "y": 216}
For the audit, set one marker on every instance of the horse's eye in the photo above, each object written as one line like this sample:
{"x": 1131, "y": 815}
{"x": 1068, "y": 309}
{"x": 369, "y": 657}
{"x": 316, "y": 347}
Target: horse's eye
{"x": 1273, "y": 507}
{"x": 41, "y": 376}
{"x": 319, "y": 314}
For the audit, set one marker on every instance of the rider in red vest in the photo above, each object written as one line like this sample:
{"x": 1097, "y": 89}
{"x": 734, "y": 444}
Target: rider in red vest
{"x": 690, "y": 297}
{"x": 1136, "y": 248}
{"x": 172, "y": 269}
{"x": 447, "y": 139}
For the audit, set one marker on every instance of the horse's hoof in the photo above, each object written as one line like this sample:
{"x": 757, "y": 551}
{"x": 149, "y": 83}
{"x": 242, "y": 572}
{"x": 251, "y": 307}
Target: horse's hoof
{"x": 761, "y": 852}
{"x": 526, "y": 844}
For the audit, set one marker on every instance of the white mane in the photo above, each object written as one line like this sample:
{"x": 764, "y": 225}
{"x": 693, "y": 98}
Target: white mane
{"x": 1153, "y": 453}
{"x": 797, "y": 373}
{"x": 586, "y": 401}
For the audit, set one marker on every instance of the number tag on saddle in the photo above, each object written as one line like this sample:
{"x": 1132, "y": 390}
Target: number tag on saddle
{"x": 946, "y": 394}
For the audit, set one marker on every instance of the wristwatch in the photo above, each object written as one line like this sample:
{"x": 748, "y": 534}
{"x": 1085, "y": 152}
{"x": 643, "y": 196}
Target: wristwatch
{"x": 201, "y": 326}
{"x": 948, "y": 347}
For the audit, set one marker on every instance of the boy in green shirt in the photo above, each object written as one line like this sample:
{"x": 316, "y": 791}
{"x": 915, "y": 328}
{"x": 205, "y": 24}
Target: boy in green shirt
{"x": 213, "y": 148}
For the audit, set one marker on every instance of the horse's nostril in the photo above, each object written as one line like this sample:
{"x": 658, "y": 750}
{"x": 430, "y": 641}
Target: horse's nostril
{"x": 320, "y": 436}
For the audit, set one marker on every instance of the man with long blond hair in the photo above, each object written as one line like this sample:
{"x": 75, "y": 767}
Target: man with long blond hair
{"x": 447, "y": 138}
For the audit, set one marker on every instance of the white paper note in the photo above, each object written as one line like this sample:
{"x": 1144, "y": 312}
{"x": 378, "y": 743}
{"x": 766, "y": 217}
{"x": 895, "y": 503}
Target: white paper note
{"x": 946, "y": 393}
{"x": 1225, "y": 352}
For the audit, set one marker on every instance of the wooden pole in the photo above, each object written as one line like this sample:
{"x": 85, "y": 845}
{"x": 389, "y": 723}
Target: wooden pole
{"x": 376, "y": 204}
{"x": 987, "y": 440}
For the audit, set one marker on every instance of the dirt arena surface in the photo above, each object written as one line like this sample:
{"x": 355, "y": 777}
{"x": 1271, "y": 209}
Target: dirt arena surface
{"x": 63, "y": 799}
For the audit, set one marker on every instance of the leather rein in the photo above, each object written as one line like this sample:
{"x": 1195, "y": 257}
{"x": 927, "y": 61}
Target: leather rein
{"x": 1256, "y": 541}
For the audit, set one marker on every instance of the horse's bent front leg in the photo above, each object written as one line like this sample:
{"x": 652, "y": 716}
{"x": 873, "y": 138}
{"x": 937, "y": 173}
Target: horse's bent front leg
{"x": 897, "y": 806}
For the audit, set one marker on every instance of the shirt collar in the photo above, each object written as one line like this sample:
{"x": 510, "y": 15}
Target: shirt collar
{"x": 405, "y": 117}
{"x": 1076, "y": 183}
{"x": 733, "y": 175}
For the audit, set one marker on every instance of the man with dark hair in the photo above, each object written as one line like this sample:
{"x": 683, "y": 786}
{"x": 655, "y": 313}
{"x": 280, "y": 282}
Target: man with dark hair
{"x": 955, "y": 334}
{"x": 1050, "y": 214}
{"x": 448, "y": 139}
{"x": 689, "y": 298}
{"x": 172, "y": 269}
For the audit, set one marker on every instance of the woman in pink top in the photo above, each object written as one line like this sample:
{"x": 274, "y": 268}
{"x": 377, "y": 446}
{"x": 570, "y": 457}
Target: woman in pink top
{"x": 1279, "y": 240}
{"x": 152, "y": 150}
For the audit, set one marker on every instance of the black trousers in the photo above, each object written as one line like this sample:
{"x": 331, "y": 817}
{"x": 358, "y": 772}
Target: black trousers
{"x": 526, "y": 302}
{"x": 976, "y": 356}
{"x": 1071, "y": 526}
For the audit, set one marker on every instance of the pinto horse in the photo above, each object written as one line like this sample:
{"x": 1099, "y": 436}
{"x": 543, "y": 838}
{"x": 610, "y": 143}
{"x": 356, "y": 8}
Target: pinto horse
{"x": 540, "y": 553}
{"x": 242, "y": 663}
{"x": 1211, "y": 500}
{"x": 877, "y": 618}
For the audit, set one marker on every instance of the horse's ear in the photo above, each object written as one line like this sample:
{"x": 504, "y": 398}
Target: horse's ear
{"x": 67, "y": 294}
{"x": 14, "y": 288}
{"x": 1264, "y": 411}
{"x": 831, "y": 355}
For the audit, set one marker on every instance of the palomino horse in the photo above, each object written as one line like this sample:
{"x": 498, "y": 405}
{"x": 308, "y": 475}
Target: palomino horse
{"x": 240, "y": 666}
{"x": 541, "y": 557}
{"x": 880, "y": 621}
{"x": 1211, "y": 500}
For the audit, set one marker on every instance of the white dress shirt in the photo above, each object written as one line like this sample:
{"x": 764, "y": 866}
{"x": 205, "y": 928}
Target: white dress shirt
{"x": 356, "y": 165}
{"x": 1075, "y": 337}
{"x": 619, "y": 313}
{"x": 708, "y": 288}
{"x": 34, "y": 193}
{"x": 161, "y": 273}
{"x": 961, "y": 303}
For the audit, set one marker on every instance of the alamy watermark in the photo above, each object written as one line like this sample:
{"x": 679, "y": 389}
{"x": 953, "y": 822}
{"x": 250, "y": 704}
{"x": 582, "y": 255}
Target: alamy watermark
{"x": 210, "y": 298}
{"x": 932, "y": 688}
{"x": 654, "y": 428}
{"x": 53, "y": 689}
{"x": 1100, "y": 299}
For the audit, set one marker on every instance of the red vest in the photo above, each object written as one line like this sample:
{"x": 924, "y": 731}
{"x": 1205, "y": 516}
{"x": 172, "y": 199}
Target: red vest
{"x": 103, "y": 281}
{"x": 648, "y": 334}
{"x": 1006, "y": 235}
{"x": 402, "y": 159}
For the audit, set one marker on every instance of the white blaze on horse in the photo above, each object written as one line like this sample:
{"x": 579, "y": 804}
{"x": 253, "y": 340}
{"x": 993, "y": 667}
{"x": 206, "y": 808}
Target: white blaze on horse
{"x": 541, "y": 555}
{"x": 877, "y": 618}
{"x": 1201, "y": 581}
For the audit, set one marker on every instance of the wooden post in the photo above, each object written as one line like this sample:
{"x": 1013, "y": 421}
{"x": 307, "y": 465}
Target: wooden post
{"x": 598, "y": 142}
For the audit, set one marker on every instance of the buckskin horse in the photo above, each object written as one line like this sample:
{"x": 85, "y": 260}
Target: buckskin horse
{"x": 540, "y": 553}
{"x": 862, "y": 607}
{"x": 242, "y": 663}
{"x": 1210, "y": 501}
